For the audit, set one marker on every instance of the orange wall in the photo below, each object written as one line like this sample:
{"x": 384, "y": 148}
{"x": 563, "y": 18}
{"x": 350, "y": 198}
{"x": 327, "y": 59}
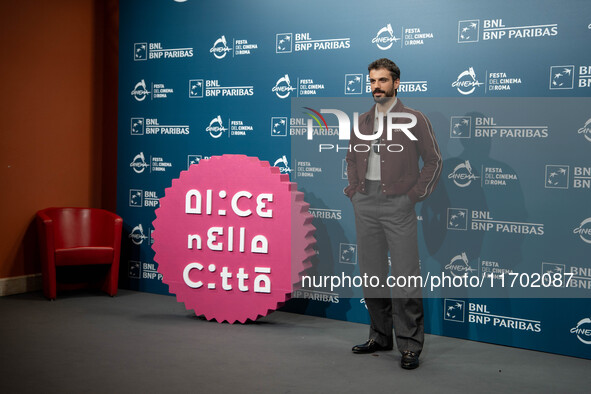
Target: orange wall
{"x": 53, "y": 105}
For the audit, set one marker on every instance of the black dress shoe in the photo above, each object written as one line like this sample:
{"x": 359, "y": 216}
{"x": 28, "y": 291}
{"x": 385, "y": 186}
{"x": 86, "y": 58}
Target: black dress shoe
{"x": 370, "y": 347}
{"x": 410, "y": 360}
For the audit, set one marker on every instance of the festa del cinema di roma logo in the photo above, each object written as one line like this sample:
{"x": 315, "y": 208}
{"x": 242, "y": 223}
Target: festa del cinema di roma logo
{"x": 232, "y": 237}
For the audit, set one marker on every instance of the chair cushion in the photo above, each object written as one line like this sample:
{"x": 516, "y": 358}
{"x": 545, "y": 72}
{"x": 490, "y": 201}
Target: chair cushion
{"x": 84, "y": 255}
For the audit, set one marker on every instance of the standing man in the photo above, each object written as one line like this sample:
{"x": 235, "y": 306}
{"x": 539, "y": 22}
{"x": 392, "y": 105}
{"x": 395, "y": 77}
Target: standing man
{"x": 385, "y": 182}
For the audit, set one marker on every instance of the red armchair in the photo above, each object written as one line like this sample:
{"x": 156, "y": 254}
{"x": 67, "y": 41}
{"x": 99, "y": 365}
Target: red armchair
{"x": 78, "y": 236}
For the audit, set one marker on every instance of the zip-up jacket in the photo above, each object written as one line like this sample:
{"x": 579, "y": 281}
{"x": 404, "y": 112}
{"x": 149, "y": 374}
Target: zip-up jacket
{"x": 399, "y": 169}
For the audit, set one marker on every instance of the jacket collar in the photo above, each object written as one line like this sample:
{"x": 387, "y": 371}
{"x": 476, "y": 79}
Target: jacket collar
{"x": 366, "y": 126}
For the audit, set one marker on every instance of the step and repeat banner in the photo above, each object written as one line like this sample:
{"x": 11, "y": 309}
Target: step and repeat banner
{"x": 505, "y": 239}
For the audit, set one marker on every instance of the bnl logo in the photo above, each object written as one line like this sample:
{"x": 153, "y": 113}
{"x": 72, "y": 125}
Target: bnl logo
{"x": 460, "y": 127}
{"x": 557, "y": 176}
{"x": 134, "y": 271}
{"x": 137, "y": 126}
{"x": 348, "y": 253}
{"x": 140, "y": 51}
{"x": 136, "y": 198}
{"x": 468, "y": 31}
{"x": 278, "y": 126}
{"x": 283, "y": 43}
{"x": 562, "y": 77}
{"x": 353, "y": 83}
{"x": 457, "y": 219}
{"x": 454, "y": 310}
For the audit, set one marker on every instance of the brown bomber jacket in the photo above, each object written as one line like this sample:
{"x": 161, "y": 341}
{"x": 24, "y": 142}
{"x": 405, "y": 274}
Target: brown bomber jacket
{"x": 400, "y": 172}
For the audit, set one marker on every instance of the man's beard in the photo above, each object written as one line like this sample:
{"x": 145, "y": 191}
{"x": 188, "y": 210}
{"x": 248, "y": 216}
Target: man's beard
{"x": 385, "y": 98}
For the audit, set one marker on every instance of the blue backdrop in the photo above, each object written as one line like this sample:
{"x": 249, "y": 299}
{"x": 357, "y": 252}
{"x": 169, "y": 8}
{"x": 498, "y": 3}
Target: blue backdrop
{"x": 506, "y": 86}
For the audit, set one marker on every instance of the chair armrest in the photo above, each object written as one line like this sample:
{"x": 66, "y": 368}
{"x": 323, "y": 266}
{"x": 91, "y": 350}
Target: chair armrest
{"x": 118, "y": 229}
{"x": 45, "y": 230}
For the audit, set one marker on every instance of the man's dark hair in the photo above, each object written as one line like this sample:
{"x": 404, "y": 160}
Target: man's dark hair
{"x": 388, "y": 65}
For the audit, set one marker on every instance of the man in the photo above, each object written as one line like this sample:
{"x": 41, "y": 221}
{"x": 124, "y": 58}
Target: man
{"x": 384, "y": 184}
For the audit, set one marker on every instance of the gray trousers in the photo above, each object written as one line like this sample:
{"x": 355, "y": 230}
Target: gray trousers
{"x": 389, "y": 223}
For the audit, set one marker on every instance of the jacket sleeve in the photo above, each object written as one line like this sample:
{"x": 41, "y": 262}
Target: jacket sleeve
{"x": 428, "y": 150}
{"x": 351, "y": 170}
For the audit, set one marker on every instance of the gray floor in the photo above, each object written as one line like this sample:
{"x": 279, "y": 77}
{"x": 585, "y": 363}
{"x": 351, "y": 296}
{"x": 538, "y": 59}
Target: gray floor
{"x": 137, "y": 342}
